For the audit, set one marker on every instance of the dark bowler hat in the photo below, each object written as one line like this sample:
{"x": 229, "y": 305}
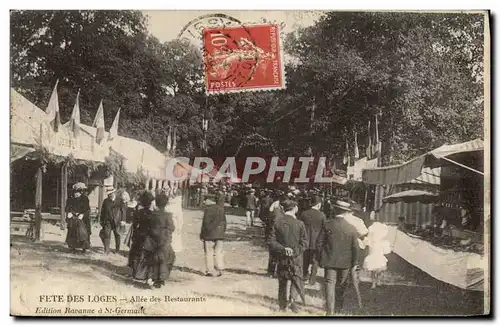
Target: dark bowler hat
{"x": 288, "y": 205}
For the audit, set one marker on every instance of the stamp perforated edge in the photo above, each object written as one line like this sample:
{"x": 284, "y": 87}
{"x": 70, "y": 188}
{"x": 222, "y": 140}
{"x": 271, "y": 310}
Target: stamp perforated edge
{"x": 255, "y": 88}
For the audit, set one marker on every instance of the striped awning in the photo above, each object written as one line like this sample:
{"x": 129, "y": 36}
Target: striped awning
{"x": 406, "y": 172}
{"x": 428, "y": 177}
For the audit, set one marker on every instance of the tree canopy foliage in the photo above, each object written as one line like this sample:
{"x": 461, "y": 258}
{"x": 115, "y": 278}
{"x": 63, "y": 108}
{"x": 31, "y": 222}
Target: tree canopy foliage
{"x": 423, "y": 73}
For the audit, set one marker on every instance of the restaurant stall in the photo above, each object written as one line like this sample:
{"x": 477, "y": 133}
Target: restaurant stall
{"x": 47, "y": 157}
{"x": 446, "y": 239}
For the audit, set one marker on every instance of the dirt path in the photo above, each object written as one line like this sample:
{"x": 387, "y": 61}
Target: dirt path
{"x": 49, "y": 268}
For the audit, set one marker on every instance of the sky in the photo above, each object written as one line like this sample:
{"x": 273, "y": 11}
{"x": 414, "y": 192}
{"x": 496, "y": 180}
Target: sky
{"x": 166, "y": 25}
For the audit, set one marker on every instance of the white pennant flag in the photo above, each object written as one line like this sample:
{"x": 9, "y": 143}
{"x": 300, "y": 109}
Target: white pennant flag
{"x": 113, "y": 131}
{"x": 52, "y": 109}
{"x": 99, "y": 124}
{"x": 169, "y": 139}
{"x": 174, "y": 140}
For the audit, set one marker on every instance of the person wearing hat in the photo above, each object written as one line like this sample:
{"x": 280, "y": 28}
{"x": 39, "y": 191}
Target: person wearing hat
{"x": 213, "y": 230}
{"x": 250, "y": 206}
{"x": 313, "y": 219}
{"x": 161, "y": 229}
{"x": 141, "y": 249}
{"x": 344, "y": 209}
{"x": 234, "y": 197}
{"x": 275, "y": 208}
{"x": 338, "y": 250}
{"x": 275, "y": 212}
{"x": 78, "y": 219}
{"x": 124, "y": 200}
{"x": 111, "y": 220}
{"x": 327, "y": 205}
{"x": 288, "y": 242}
{"x": 304, "y": 202}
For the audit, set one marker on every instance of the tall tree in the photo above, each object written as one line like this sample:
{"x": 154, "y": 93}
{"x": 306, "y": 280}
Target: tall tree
{"x": 422, "y": 71}
{"x": 109, "y": 56}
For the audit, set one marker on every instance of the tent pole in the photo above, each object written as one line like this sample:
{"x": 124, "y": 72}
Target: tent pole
{"x": 461, "y": 165}
{"x": 38, "y": 203}
{"x": 64, "y": 194}
{"x": 366, "y": 196}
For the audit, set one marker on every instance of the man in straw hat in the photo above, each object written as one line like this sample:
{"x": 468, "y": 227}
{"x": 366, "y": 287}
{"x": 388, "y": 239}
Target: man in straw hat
{"x": 288, "y": 242}
{"x": 111, "y": 220}
{"x": 345, "y": 210}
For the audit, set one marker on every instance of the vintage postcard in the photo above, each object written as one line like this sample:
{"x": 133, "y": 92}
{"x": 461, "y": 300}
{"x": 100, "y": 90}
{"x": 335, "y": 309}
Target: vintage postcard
{"x": 249, "y": 163}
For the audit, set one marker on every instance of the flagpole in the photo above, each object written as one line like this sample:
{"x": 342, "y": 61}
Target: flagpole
{"x": 313, "y": 108}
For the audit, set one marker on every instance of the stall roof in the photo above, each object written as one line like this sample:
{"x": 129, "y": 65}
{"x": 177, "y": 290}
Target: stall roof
{"x": 26, "y": 120}
{"x": 411, "y": 196}
{"x": 30, "y": 127}
{"x": 406, "y": 172}
{"x": 138, "y": 154}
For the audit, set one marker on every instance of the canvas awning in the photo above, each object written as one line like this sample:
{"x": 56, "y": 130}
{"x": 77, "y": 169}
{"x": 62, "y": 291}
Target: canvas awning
{"x": 404, "y": 173}
{"x": 19, "y": 151}
{"x": 412, "y": 196}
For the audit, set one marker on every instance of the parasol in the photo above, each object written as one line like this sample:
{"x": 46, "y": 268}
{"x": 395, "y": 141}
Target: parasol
{"x": 412, "y": 196}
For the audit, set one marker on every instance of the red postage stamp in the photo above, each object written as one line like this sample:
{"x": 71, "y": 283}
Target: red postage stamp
{"x": 243, "y": 58}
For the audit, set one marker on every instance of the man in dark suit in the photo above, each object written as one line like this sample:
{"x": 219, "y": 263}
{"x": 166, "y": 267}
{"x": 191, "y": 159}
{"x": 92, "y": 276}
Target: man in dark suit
{"x": 251, "y": 206}
{"x": 288, "y": 242}
{"x": 275, "y": 212}
{"x": 338, "y": 250}
{"x": 313, "y": 219}
{"x": 213, "y": 229}
{"x": 111, "y": 220}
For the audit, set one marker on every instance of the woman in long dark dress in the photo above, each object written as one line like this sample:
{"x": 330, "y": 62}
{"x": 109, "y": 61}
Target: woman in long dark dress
{"x": 161, "y": 229}
{"x": 78, "y": 219}
{"x": 142, "y": 247}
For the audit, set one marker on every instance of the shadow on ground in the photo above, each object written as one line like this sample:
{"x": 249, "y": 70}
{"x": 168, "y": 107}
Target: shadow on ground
{"x": 254, "y": 235}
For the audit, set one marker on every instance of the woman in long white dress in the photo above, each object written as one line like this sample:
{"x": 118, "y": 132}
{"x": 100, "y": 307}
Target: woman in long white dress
{"x": 174, "y": 206}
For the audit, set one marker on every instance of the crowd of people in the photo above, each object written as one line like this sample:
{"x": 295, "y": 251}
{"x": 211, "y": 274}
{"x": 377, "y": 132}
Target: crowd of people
{"x": 304, "y": 230}
{"x": 307, "y": 229}
{"x": 154, "y": 235}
